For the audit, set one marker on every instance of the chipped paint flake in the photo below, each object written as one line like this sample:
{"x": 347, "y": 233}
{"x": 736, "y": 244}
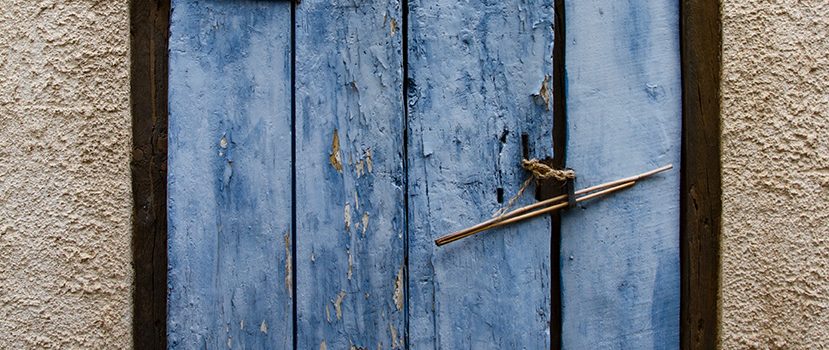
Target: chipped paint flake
{"x": 335, "y": 158}
{"x": 228, "y": 173}
{"x": 242, "y": 324}
{"x": 356, "y": 201}
{"x": 395, "y": 344}
{"x": 350, "y": 263}
{"x": 289, "y": 276}
{"x": 263, "y": 327}
{"x": 338, "y": 305}
{"x": 398, "y": 290}
{"x": 364, "y": 165}
{"x": 323, "y": 345}
{"x": 393, "y": 26}
{"x": 347, "y": 215}
{"x": 327, "y": 313}
{"x": 223, "y": 142}
{"x": 544, "y": 92}
{"x": 365, "y": 223}
{"x": 359, "y": 168}
{"x": 369, "y": 162}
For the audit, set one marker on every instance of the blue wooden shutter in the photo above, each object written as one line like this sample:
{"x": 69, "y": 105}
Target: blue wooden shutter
{"x": 329, "y": 139}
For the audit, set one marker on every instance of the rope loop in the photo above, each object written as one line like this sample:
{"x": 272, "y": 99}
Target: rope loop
{"x": 539, "y": 171}
{"x": 543, "y": 171}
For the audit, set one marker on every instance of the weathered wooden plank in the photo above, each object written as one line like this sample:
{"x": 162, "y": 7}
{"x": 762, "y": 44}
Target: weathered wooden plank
{"x": 701, "y": 191}
{"x": 350, "y": 188}
{"x": 229, "y": 201}
{"x": 620, "y": 255}
{"x": 480, "y": 82}
{"x": 149, "y": 25}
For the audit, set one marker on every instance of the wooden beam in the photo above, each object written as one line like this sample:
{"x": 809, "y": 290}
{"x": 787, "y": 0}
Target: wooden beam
{"x": 149, "y": 21}
{"x": 701, "y": 206}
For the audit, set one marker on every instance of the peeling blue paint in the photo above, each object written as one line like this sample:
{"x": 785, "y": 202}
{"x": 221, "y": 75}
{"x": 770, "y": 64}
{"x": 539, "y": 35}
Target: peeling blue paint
{"x": 475, "y": 67}
{"x": 229, "y": 175}
{"x": 349, "y": 82}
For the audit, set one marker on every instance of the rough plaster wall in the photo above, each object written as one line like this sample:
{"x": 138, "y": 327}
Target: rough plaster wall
{"x": 775, "y": 247}
{"x": 65, "y": 203}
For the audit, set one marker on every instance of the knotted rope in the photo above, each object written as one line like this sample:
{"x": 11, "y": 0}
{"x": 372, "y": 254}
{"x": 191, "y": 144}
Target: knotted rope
{"x": 542, "y": 171}
{"x": 539, "y": 171}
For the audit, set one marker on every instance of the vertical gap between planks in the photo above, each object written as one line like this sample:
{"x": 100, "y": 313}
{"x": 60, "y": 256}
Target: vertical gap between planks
{"x": 405, "y": 114}
{"x": 294, "y": 278}
{"x": 559, "y": 162}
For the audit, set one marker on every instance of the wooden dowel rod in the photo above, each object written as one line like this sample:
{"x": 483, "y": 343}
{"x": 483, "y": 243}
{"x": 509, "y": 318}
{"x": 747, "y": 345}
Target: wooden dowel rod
{"x": 547, "y": 202}
{"x": 451, "y": 238}
{"x": 508, "y": 215}
{"x": 562, "y": 205}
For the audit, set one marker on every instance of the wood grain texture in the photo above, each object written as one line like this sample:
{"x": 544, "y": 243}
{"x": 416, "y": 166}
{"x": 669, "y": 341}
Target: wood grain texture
{"x": 701, "y": 183}
{"x": 480, "y": 79}
{"x": 350, "y": 191}
{"x": 149, "y": 23}
{"x": 229, "y": 201}
{"x": 620, "y": 255}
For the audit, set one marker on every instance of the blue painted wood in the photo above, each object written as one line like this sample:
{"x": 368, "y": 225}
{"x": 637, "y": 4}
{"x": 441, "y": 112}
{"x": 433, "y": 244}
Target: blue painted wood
{"x": 620, "y": 255}
{"x": 229, "y": 203}
{"x": 350, "y": 188}
{"x": 480, "y": 78}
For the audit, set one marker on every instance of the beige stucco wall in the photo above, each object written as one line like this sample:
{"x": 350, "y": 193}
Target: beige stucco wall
{"x": 65, "y": 203}
{"x": 775, "y": 157}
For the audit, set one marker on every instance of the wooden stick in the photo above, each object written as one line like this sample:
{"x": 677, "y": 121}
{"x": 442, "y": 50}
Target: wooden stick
{"x": 451, "y": 238}
{"x": 546, "y": 202}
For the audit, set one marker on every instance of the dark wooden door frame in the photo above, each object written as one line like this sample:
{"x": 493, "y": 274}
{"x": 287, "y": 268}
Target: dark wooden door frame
{"x": 149, "y": 25}
{"x": 700, "y": 198}
{"x": 700, "y": 185}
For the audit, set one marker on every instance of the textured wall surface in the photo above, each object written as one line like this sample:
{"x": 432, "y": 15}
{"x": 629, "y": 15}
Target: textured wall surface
{"x": 775, "y": 247}
{"x": 65, "y": 206}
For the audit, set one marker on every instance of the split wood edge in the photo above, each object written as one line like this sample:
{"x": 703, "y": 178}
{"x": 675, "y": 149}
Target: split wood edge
{"x": 548, "y": 206}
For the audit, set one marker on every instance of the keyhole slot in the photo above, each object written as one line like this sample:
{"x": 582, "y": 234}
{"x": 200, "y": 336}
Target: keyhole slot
{"x": 525, "y": 145}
